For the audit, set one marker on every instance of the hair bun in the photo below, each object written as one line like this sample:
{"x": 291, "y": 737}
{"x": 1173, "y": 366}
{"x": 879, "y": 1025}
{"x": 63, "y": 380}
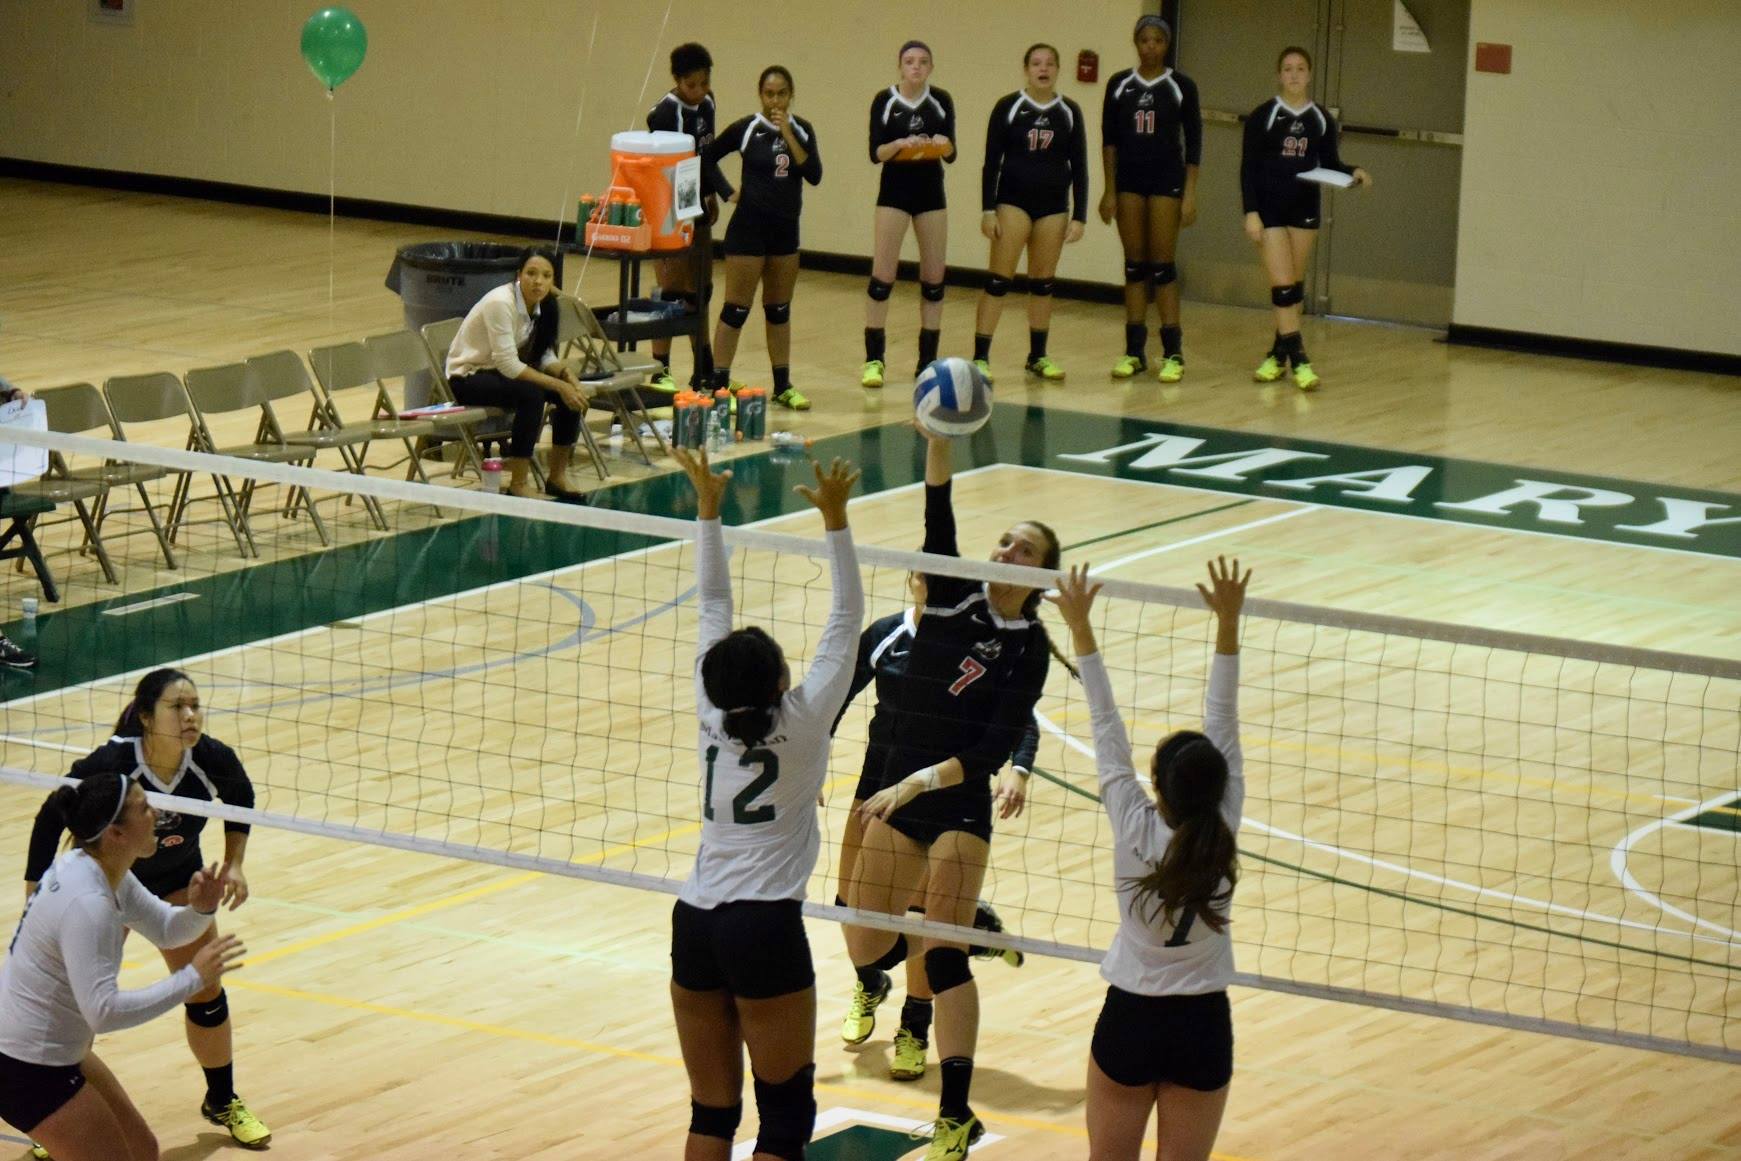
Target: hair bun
{"x": 65, "y": 801}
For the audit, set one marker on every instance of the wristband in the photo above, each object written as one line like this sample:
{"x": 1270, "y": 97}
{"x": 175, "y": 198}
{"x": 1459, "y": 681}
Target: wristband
{"x": 1025, "y": 773}
{"x": 930, "y": 778}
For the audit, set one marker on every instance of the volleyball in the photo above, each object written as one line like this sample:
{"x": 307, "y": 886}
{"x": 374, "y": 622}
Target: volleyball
{"x": 952, "y": 398}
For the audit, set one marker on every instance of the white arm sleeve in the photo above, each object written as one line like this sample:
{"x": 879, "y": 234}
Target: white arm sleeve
{"x": 1136, "y": 825}
{"x": 713, "y": 591}
{"x": 830, "y": 674}
{"x": 1221, "y": 726}
{"x": 161, "y": 923}
{"x": 90, "y": 940}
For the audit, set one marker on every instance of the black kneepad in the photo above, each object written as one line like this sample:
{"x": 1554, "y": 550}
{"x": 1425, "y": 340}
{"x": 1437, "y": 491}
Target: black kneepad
{"x": 1135, "y": 272}
{"x": 879, "y": 290}
{"x": 777, "y": 313}
{"x": 1165, "y": 272}
{"x": 997, "y": 286}
{"x": 1041, "y": 287}
{"x": 209, "y": 1013}
{"x": 931, "y": 291}
{"x": 708, "y": 1121}
{"x": 894, "y": 957}
{"x": 734, "y": 315}
{"x": 945, "y": 968}
{"x": 788, "y": 1114}
{"x": 1287, "y": 295}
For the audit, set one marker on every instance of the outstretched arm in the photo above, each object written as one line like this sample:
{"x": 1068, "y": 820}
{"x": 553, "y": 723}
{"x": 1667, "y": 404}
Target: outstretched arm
{"x": 712, "y": 575}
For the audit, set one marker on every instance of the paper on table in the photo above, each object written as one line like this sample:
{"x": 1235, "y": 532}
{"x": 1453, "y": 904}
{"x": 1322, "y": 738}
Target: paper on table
{"x": 18, "y": 463}
{"x": 1322, "y": 176}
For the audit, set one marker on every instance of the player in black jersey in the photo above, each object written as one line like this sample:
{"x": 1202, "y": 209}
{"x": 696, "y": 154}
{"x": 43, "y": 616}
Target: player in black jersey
{"x": 906, "y": 118}
{"x": 761, "y": 243}
{"x": 1034, "y": 194}
{"x": 1286, "y": 136}
{"x": 978, "y": 661}
{"x": 160, "y": 743}
{"x": 1151, "y": 189}
{"x": 883, "y": 650}
{"x": 688, "y": 108}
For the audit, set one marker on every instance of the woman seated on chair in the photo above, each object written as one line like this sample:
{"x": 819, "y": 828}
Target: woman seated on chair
{"x": 505, "y": 356}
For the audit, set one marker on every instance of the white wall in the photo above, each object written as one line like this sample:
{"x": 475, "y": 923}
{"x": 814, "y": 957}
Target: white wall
{"x": 1601, "y": 188}
{"x": 471, "y": 104}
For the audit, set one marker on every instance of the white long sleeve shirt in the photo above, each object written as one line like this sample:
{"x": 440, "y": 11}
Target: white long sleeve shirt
{"x": 1146, "y": 957}
{"x": 59, "y": 987}
{"x": 493, "y": 336}
{"x": 759, "y": 834}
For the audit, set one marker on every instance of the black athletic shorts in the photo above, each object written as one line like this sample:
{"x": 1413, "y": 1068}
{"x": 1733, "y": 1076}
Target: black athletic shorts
{"x": 936, "y": 812}
{"x": 1151, "y": 180}
{"x": 1298, "y": 208}
{"x": 912, "y": 187}
{"x": 758, "y": 233}
{"x": 1035, "y": 203}
{"x": 1182, "y": 1040}
{"x": 31, "y": 1093}
{"x": 753, "y": 949}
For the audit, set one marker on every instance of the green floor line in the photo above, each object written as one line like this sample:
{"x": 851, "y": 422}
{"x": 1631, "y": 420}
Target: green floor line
{"x": 1438, "y": 905}
{"x": 1157, "y": 524}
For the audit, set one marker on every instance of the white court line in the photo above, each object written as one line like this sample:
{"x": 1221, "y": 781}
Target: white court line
{"x": 1177, "y": 544}
{"x": 1082, "y": 747}
{"x": 152, "y": 603}
{"x": 1617, "y": 863}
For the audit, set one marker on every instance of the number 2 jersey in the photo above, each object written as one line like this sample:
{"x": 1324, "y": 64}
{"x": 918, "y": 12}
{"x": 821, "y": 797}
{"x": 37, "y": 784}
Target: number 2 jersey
{"x": 1281, "y": 143}
{"x": 772, "y": 183}
{"x": 759, "y": 832}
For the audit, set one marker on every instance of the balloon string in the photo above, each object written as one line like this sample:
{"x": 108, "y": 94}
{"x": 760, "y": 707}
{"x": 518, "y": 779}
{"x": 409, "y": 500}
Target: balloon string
{"x": 332, "y": 147}
{"x": 574, "y": 144}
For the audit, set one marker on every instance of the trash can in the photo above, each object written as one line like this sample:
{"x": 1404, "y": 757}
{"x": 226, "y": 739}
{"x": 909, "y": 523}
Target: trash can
{"x": 437, "y": 280}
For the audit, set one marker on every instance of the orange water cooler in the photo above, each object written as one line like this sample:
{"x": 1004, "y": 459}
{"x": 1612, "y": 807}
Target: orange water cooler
{"x": 648, "y": 164}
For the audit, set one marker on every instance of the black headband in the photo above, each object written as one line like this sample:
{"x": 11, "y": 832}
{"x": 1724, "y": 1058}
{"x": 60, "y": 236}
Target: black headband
{"x": 1153, "y": 22}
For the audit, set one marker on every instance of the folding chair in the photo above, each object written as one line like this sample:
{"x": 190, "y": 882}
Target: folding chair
{"x": 73, "y": 410}
{"x": 230, "y": 388}
{"x": 281, "y": 376}
{"x": 404, "y": 353}
{"x": 147, "y": 399}
{"x": 615, "y": 377}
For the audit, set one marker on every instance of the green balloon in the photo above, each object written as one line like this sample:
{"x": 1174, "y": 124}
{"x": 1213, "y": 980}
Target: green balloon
{"x": 334, "y": 43}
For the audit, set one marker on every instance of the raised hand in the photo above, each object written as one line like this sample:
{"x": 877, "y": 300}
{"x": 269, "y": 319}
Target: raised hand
{"x": 832, "y": 489}
{"x": 709, "y": 485}
{"x": 1074, "y": 599}
{"x": 1225, "y": 595}
{"x": 223, "y": 954}
{"x": 205, "y": 891}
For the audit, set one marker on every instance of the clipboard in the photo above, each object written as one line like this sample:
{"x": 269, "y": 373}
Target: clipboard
{"x": 19, "y": 464}
{"x": 1334, "y": 178}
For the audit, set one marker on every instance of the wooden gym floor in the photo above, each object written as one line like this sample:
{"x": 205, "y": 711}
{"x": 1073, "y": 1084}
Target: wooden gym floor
{"x": 401, "y": 1005}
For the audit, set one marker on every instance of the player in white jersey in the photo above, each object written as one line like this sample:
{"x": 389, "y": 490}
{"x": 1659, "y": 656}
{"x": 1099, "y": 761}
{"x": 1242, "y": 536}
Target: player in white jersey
{"x": 58, "y": 988}
{"x": 1164, "y": 1040}
{"x": 741, "y": 972}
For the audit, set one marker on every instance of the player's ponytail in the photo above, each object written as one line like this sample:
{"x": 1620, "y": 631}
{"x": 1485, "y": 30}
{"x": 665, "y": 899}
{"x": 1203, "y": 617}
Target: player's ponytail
{"x": 744, "y": 674}
{"x": 146, "y": 695}
{"x": 91, "y": 807}
{"x": 1031, "y": 607}
{"x": 1190, "y": 777}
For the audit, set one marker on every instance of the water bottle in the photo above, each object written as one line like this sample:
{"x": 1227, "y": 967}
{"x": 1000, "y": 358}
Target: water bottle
{"x": 492, "y": 475}
{"x": 716, "y": 439}
{"x": 28, "y": 634}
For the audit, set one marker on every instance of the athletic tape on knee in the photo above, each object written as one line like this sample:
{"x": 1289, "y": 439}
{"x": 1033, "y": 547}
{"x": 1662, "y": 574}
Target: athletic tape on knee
{"x": 1041, "y": 287}
{"x": 879, "y": 290}
{"x": 997, "y": 286}
{"x": 1165, "y": 272}
{"x": 711, "y": 1121}
{"x": 734, "y": 315}
{"x": 931, "y": 291}
{"x": 945, "y": 968}
{"x": 1137, "y": 272}
{"x": 209, "y": 1013}
{"x": 895, "y": 956}
{"x": 1287, "y": 295}
{"x": 777, "y": 313}
{"x": 787, "y": 1112}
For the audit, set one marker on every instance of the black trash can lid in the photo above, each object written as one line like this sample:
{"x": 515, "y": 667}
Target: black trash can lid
{"x": 461, "y": 257}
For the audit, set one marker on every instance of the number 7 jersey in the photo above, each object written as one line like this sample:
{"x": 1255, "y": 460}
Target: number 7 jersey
{"x": 759, "y": 832}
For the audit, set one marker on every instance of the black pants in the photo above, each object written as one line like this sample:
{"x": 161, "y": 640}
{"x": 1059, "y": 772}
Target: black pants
{"x": 527, "y": 401}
